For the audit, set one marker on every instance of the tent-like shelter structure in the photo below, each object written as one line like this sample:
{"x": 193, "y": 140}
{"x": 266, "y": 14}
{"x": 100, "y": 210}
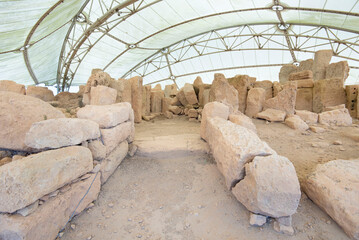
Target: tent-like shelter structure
{"x": 58, "y": 42}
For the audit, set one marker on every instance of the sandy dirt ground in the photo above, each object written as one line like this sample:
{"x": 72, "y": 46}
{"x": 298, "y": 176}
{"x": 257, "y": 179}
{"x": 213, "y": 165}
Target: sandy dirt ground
{"x": 184, "y": 197}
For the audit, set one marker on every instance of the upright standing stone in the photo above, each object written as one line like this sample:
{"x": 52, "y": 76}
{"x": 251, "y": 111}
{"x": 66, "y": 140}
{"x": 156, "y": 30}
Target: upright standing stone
{"x": 102, "y": 95}
{"x": 338, "y": 70}
{"x": 42, "y": 93}
{"x": 156, "y": 101}
{"x": 352, "y": 102}
{"x": 285, "y": 100}
{"x": 305, "y": 65}
{"x": 328, "y": 92}
{"x": 146, "y": 100}
{"x": 277, "y": 87}
{"x": 171, "y": 90}
{"x": 11, "y": 86}
{"x": 285, "y": 71}
{"x": 304, "y": 99}
{"x": 241, "y": 83}
{"x": 136, "y": 95}
{"x": 210, "y": 110}
{"x": 190, "y": 94}
{"x": 255, "y": 100}
{"x": 203, "y": 95}
{"x": 222, "y": 91}
{"x": 197, "y": 84}
{"x": 125, "y": 90}
{"x": 166, "y": 103}
{"x": 267, "y": 86}
{"x": 321, "y": 62}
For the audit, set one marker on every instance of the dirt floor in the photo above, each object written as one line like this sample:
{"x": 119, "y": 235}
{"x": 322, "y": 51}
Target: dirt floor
{"x": 184, "y": 196}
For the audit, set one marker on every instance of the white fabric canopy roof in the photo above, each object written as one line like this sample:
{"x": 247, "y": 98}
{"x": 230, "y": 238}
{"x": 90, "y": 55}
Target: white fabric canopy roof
{"x": 170, "y": 41}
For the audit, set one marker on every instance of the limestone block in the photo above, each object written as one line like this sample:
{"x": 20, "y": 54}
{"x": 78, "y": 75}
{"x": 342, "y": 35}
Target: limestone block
{"x": 306, "y": 74}
{"x": 352, "y": 96}
{"x": 337, "y": 70}
{"x": 17, "y": 114}
{"x": 255, "y": 101}
{"x": 11, "y": 86}
{"x": 277, "y": 87}
{"x": 304, "y": 99}
{"x": 192, "y": 113}
{"x": 233, "y": 146}
{"x": 305, "y": 65}
{"x": 97, "y": 149}
{"x": 339, "y": 117}
{"x": 270, "y": 187}
{"x": 241, "y": 119}
{"x": 285, "y": 100}
{"x": 321, "y": 62}
{"x": 203, "y": 95}
{"x": 272, "y": 115}
{"x": 112, "y": 161}
{"x": 102, "y": 95}
{"x": 111, "y": 137}
{"x": 197, "y": 84}
{"x": 42, "y": 93}
{"x": 146, "y": 100}
{"x": 267, "y": 86}
{"x": 304, "y": 83}
{"x": 97, "y": 78}
{"x": 257, "y": 219}
{"x": 296, "y": 123}
{"x": 156, "y": 101}
{"x": 175, "y": 109}
{"x": 341, "y": 106}
{"x": 5, "y": 160}
{"x": 168, "y": 114}
{"x": 210, "y": 110}
{"x": 24, "y": 181}
{"x": 124, "y": 91}
{"x": 158, "y": 87}
{"x": 241, "y": 83}
{"x": 181, "y": 97}
{"x": 52, "y": 215}
{"x": 334, "y": 187}
{"x": 328, "y": 92}
{"x": 307, "y": 116}
{"x": 106, "y": 116}
{"x": 131, "y": 138}
{"x": 171, "y": 90}
{"x": 61, "y": 132}
{"x": 285, "y": 71}
{"x": 222, "y": 91}
{"x": 190, "y": 94}
{"x": 136, "y": 97}
{"x": 166, "y": 103}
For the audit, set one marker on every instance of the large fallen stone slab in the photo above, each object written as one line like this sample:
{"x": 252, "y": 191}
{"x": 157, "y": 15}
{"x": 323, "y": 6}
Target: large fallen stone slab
{"x": 106, "y": 116}
{"x": 272, "y": 115}
{"x": 339, "y": 117}
{"x": 17, "y": 114}
{"x": 307, "y": 116}
{"x": 52, "y": 215}
{"x": 334, "y": 187}
{"x": 102, "y": 95}
{"x": 42, "y": 93}
{"x": 190, "y": 94}
{"x": 111, "y": 137}
{"x": 285, "y": 100}
{"x": 112, "y": 161}
{"x": 136, "y": 97}
{"x": 255, "y": 100}
{"x": 210, "y": 110}
{"x": 222, "y": 91}
{"x": 296, "y": 123}
{"x": 11, "y": 86}
{"x": 241, "y": 83}
{"x": 61, "y": 132}
{"x": 233, "y": 146}
{"x": 24, "y": 181}
{"x": 270, "y": 187}
{"x": 321, "y": 62}
{"x": 241, "y": 119}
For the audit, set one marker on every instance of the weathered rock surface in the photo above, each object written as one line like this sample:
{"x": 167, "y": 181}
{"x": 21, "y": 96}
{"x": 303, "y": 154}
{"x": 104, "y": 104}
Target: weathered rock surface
{"x": 304, "y": 83}
{"x": 136, "y": 97}
{"x": 124, "y": 93}
{"x": 270, "y": 187}
{"x": 190, "y": 94}
{"x": 305, "y": 65}
{"x": 102, "y": 95}
{"x": 255, "y": 100}
{"x": 112, "y": 161}
{"x": 352, "y": 99}
{"x": 181, "y": 97}
{"x": 222, "y": 91}
{"x": 304, "y": 99}
{"x": 233, "y": 146}
{"x": 212, "y": 109}
{"x": 285, "y": 100}
{"x": 328, "y": 92}
{"x": 50, "y": 217}
{"x": 295, "y": 122}
{"x": 146, "y": 100}
{"x": 257, "y": 219}
{"x": 106, "y": 116}
{"x": 42, "y": 93}
{"x": 166, "y": 103}
{"x": 337, "y": 70}
{"x": 61, "y": 132}
{"x": 203, "y": 95}
{"x": 272, "y": 115}
{"x": 24, "y": 181}
{"x": 267, "y": 86}
{"x": 331, "y": 108}
{"x": 241, "y": 83}
{"x": 306, "y": 74}
{"x": 192, "y": 113}
{"x": 307, "y": 116}
{"x": 17, "y": 114}
{"x": 241, "y": 119}
{"x": 156, "y": 101}
{"x": 97, "y": 149}
{"x": 277, "y": 87}
{"x": 334, "y": 187}
{"x": 11, "y": 86}
{"x": 197, "y": 84}
{"x": 111, "y": 137}
{"x": 175, "y": 109}
{"x": 339, "y": 117}
{"x": 285, "y": 71}
{"x": 170, "y": 90}
{"x": 321, "y": 62}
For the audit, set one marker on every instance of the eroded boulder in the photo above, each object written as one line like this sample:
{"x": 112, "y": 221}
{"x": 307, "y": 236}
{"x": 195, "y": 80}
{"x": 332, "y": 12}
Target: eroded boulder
{"x": 11, "y": 86}
{"x": 255, "y": 100}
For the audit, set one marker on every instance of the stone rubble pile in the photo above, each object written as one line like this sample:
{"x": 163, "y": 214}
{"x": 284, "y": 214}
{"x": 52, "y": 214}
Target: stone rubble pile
{"x": 264, "y": 182}
{"x": 49, "y": 163}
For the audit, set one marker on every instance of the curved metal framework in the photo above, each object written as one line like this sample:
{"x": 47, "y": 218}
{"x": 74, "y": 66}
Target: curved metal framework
{"x": 78, "y": 43}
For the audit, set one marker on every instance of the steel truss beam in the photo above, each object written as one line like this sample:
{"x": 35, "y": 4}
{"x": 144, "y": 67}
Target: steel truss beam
{"x": 76, "y": 48}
